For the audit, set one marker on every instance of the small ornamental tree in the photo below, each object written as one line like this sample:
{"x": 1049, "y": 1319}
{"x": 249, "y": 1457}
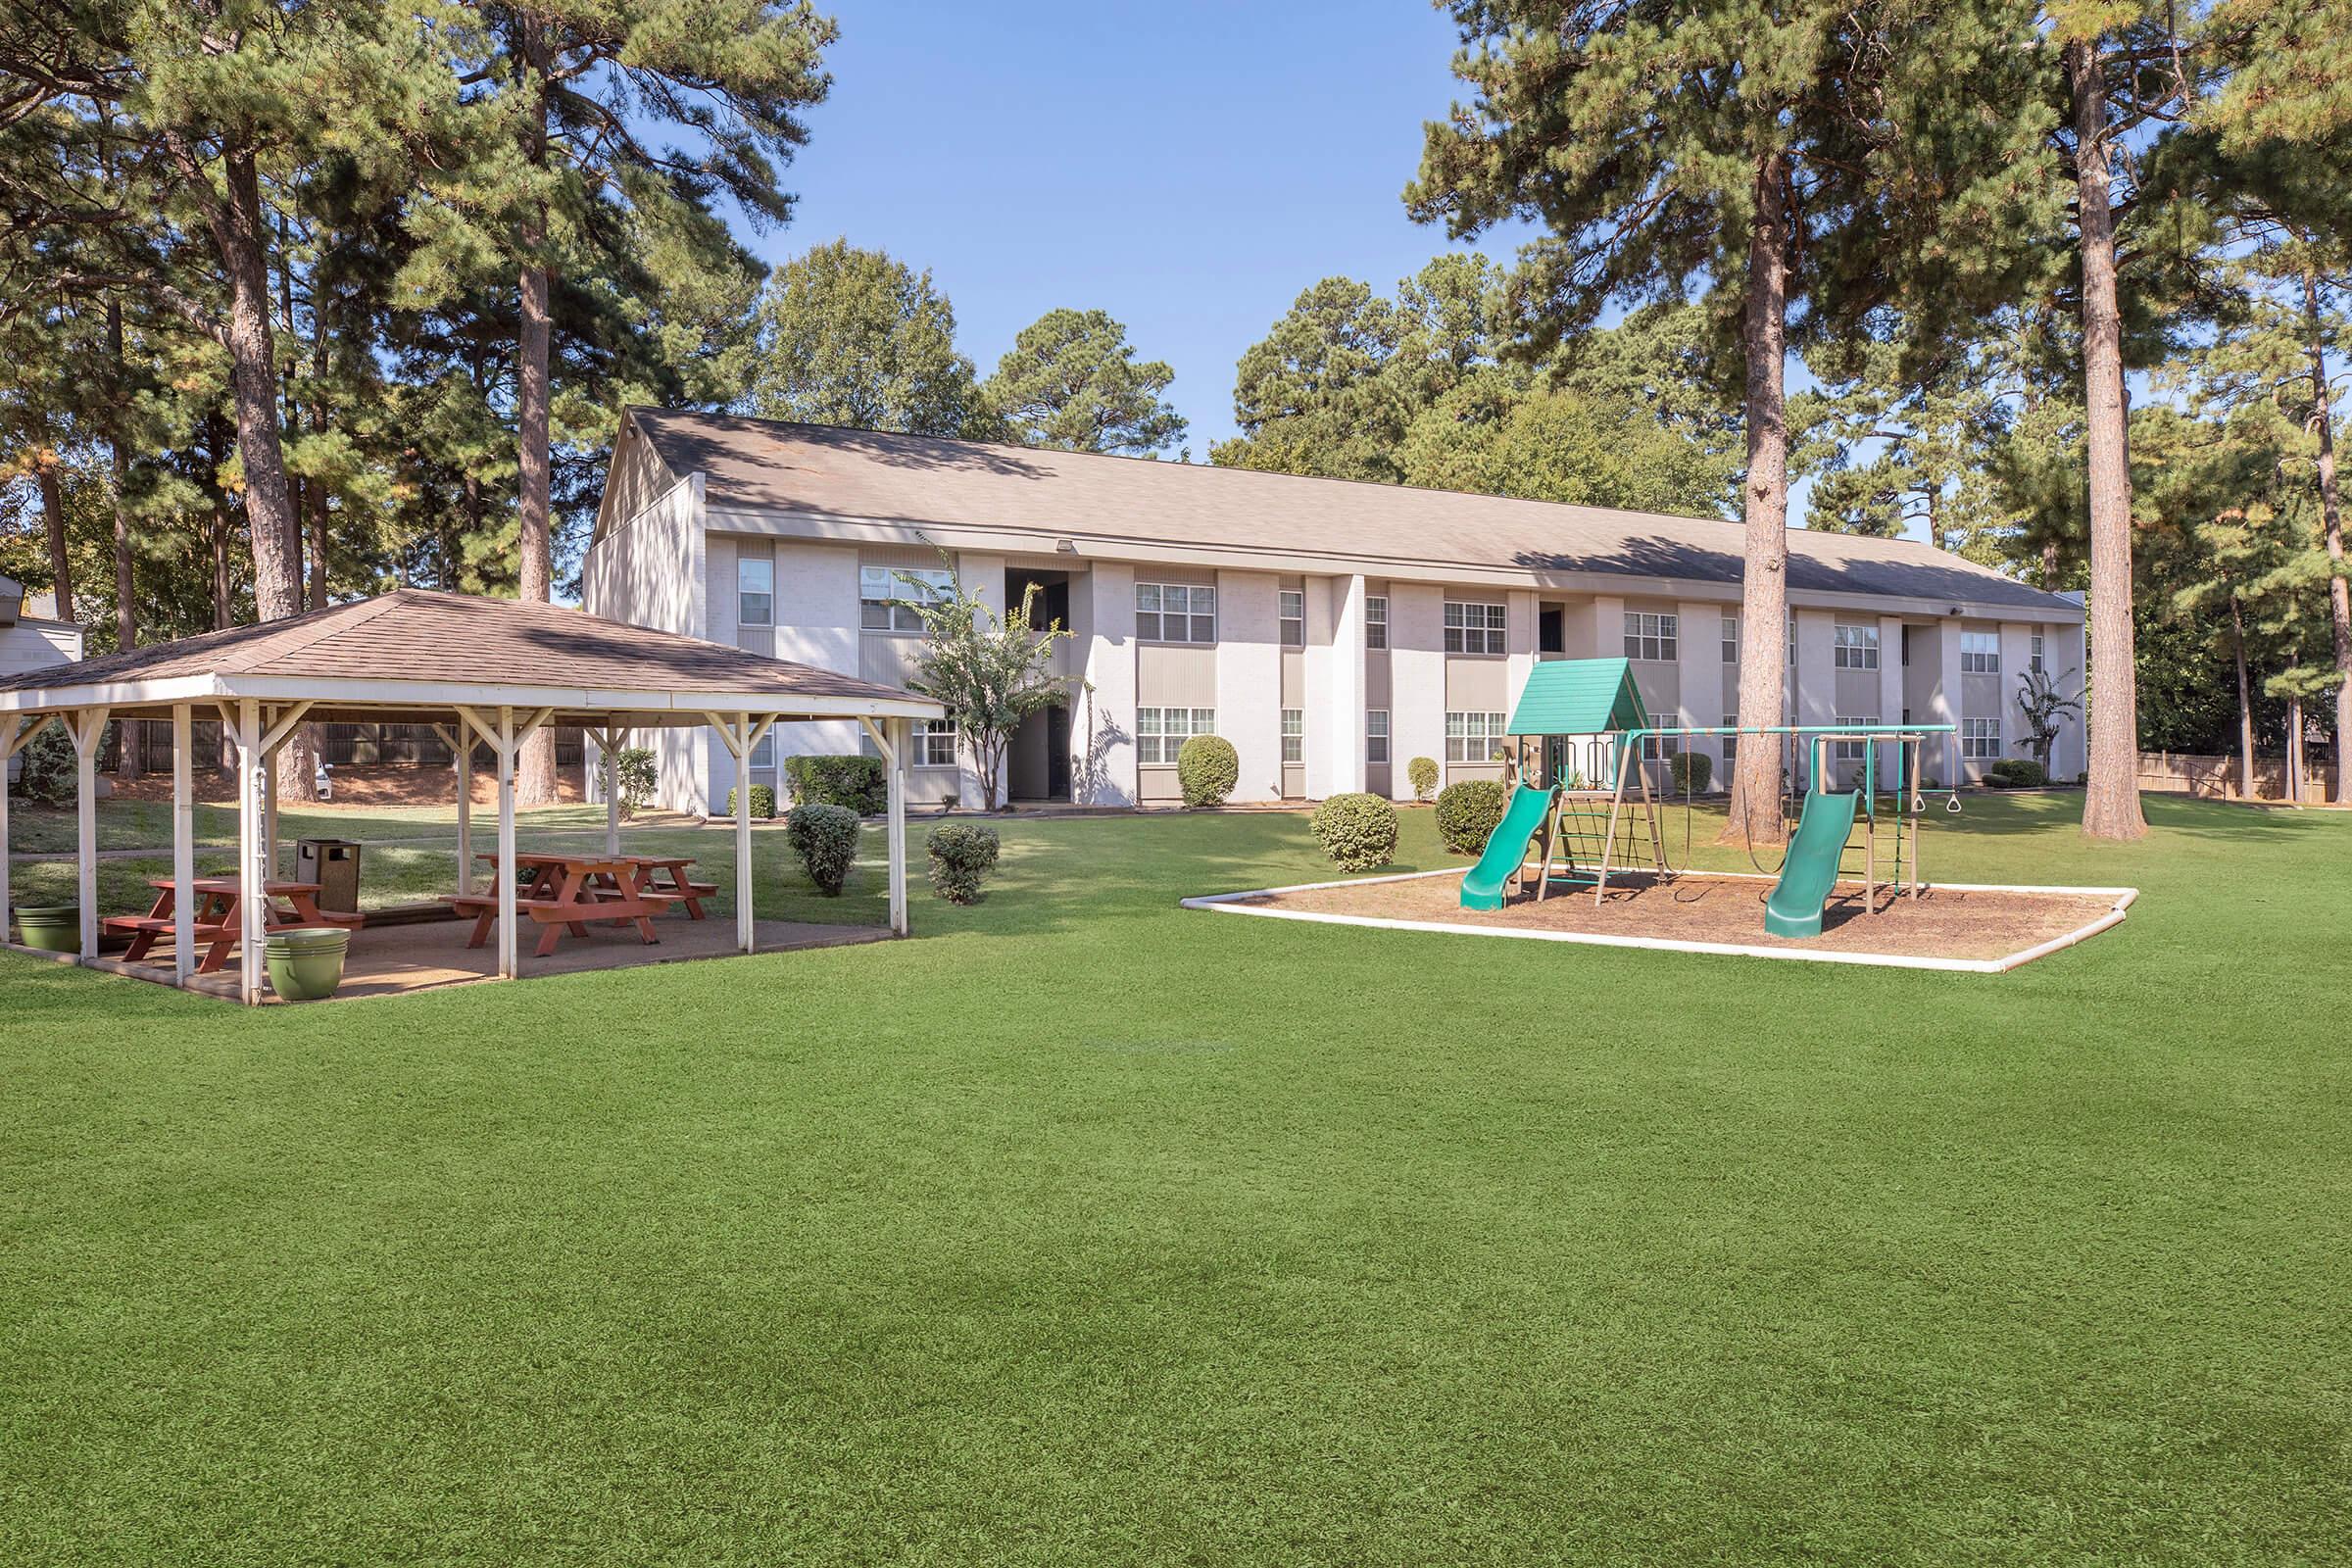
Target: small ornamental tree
{"x": 989, "y": 670}
{"x": 1422, "y": 773}
{"x": 637, "y": 778}
{"x": 2044, "y": 709}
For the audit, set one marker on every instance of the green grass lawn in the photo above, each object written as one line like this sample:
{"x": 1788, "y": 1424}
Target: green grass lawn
{"x": 1083, "y": 1229}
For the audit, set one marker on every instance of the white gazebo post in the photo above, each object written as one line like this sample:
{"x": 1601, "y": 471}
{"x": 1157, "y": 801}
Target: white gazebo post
{"x": 251, "y": 887}
{"x": 183, "y": 843}
{"x": 605, "y": 754}
{"x": 15, "y": 730}
{"x": 896, "y": 739}
{"x": 268, "y": 811}
{"x": 87, "y": 728}
{"x": 741, "y": 735}
{"x": 506, "y": 738}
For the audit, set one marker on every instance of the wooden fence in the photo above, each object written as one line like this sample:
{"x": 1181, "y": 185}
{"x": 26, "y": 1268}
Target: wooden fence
{"x": 2216, "y": 778}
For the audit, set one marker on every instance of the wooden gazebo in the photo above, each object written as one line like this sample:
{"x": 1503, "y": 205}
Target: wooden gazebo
{"x": 492, "y": 670}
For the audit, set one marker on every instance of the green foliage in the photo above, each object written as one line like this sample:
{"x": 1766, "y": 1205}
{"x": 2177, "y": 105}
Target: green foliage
{"x": 638, "y": 776}
{"x": 991, "y": 668}
{"x": 853, "y": 780}
{"x": 2017, "y": 773}
{"x": 763, "y": 802}
{"x": 1357, "y": 831}
{"x": 1207, "y": 768}
{"x": 1690, "y": 771}
{"x": 49, "y": 768}
{"x": 2045, "y": 707}
{"x": 825, "y": 838}
{"x": 853, "y": 337}
{"x": 1468, "y": 812}
{"x": 962, "y": 854}
{"x": 1071, "y": 380}
{"x": 1422, "y": 774}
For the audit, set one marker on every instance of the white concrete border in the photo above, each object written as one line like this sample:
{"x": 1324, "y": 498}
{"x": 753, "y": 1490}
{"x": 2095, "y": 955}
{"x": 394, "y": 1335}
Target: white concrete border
{"x": 1231, "y": 904}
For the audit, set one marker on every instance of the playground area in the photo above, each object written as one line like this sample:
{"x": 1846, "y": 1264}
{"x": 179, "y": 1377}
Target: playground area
{"x": 1974, "y": 929}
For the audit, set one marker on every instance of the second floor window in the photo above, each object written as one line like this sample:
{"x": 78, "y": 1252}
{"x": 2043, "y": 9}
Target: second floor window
{"x": 2034, "y": 660}
{"x": 1980, "y": 652}
{"x": 1376, "y": 621}
{"x": 1856, "y": 646}
{"x": 1730, "y": 639}
{"x": 1174, "y": 613}
{"x": 1294, "y": 618}
{"x": 887, "y": 596}
{"x": 755, "y": 591}
{"x": 1475, "y": 628}
{"x": 1649, "y": 636}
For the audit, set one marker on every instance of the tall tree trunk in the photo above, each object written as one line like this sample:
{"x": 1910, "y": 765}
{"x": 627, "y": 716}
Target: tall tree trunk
{"x": 1755, "y": 807}
{"x": 2245, "y": 700}
{"x": 53, "y": 517}
{"x": 535, "y": 773}
{"x": 316, "y": 493}
{"x": 2049, "y": 566}
{"x": 126, "y": 604}
{"x": 2332, "y": 518}
{"x": 269, "y": 522}
{"x": 2111, "y": 804}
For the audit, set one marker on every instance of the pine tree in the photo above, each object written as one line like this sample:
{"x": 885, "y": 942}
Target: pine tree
{"x": 1071, "y": 380}
{"x": 856, "y": 337}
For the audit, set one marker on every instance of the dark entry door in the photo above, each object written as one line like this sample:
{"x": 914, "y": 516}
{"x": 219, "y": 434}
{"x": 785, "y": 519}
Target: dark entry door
{"x": 1057, "y": 752}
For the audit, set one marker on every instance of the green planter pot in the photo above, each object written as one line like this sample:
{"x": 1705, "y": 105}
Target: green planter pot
{"x": 51, "y": 927}
{"x": 305, "y": 962}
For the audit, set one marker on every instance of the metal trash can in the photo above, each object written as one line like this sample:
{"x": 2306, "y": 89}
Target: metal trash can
{"x": 334, "y": 864}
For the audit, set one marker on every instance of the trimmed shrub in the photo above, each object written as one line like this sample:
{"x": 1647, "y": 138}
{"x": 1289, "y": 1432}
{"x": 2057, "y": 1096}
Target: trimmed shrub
{"x": 854, "y": 781}
{"x": 50, "y": 773}
{"x": 1357, "y": 831}
{"x": 1422, "y": 774}
{"x": 1468, "y": 813}
{"x": 1207, "y": 767}
{"x": 763, "y": 802}
{"x": 1690, "y": 771}
{"x": 825, "y": 838}
{"x": 2017, "y": 773}
{"x": 962, "y": 854}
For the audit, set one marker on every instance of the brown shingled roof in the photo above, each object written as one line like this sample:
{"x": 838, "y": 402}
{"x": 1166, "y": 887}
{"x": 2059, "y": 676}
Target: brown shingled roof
{"x": 414, "y": 635}
{"x": 831, "y": 472}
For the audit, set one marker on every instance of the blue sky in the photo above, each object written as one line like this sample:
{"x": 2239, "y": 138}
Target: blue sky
{"x": 1189, "y": 168}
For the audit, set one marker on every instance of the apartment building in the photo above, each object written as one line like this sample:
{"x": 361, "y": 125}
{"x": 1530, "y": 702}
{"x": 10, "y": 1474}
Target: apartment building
{"x": 1331, "y": 630}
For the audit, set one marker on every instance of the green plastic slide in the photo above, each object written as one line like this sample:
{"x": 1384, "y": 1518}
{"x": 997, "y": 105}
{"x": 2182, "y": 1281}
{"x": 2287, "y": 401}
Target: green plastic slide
{"x": 1506, "y": 847}
{"x": 1811, "y": 869}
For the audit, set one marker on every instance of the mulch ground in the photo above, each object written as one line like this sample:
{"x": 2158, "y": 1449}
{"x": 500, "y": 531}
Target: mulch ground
{"x": 1937, "y": 924}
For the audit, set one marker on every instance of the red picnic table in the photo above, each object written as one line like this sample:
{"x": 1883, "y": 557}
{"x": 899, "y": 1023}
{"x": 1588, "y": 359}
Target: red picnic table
{"x": 218, "y": 919}
{"x": 568, "y": 892}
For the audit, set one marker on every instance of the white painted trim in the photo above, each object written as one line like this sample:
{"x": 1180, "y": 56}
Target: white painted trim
{"x": 1231, "y": 904}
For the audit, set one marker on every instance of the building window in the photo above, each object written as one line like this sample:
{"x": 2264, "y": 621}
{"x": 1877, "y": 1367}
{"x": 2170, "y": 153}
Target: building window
{"x": 1854, "y": 646}
{"x": 887, "y": 596}
{"x": 1730, "y": 639}
{"x": 1852, "y": 751}
{"x": 2034, "y": 660}
{"x": 1649, "y": 635}
{"x": 1376, "y": 735}
{"x": 1980, "y": 652}
{"x": 1172, "y": 613}
{"x": 1658, "y": 747}
{"x": 934, "y": 743}
{"x": 1161, "y": 732}
{"x": 1906, "y": 648}
{"x": 763, "y": 754}
{"x": 1294, "y": 734}
{"x": 1294, "y": 619}
{"x": 1981, "y": 739}
{"x": 1474, "y": 628}
{"x": 1473, "y": 737}
{"x": 1376, "y": 623}
{"x": 755, "y": 591}
{"x": 1731, "y": 748}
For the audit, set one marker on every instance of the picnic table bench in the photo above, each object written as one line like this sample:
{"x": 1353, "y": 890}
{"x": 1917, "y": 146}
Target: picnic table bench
{"x": 566, "y": 894}
{"x": 219, "y": 923}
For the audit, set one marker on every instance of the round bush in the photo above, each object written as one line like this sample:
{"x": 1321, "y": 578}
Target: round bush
{"x": 1422, "y": 774}
{"x": 2017, "y": 773}
{"x": 1691, "y": 771}
{"x": 763, "y": 802}
{"x": 1468, "y": 813}
{"x": 1207, "y": 767}
{"x": 825, "y": 838}
{"x": 1357, "y": 831}
{"x": 962, "y": 854}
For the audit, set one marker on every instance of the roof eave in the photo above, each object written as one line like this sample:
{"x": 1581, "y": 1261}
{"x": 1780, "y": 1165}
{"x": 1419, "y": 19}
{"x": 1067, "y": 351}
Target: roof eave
{"x": 650, "y": 707}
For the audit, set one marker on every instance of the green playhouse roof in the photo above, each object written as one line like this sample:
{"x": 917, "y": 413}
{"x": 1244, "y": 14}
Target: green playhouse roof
{"x": 1578, "y": 696}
